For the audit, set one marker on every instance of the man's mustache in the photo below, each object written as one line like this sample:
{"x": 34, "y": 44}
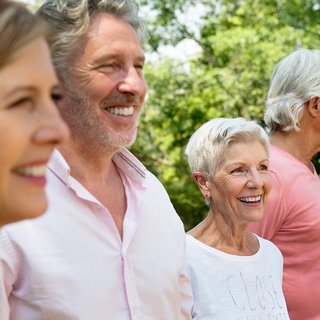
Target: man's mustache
{"x": 118, "y": 98}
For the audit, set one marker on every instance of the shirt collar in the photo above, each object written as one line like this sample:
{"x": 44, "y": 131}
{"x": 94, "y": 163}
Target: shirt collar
{"x": 123, "y": 159}
{"x": 59, "y": 166}
{"x": 130, "y": 165}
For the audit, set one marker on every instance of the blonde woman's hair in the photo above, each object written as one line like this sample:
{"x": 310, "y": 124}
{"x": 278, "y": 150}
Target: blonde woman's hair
{"x": 18, "y": 27}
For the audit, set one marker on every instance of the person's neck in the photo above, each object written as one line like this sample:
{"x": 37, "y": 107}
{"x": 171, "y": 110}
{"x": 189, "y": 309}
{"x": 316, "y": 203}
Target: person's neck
{"x": 225, "y": 236}
{"x": 298, "y": 144}
{"x": 88, "y": 165}
{"x": 96, "y": 171}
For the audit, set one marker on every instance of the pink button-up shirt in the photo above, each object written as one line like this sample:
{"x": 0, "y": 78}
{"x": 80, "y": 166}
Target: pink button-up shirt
{"x": 71, "y": 263}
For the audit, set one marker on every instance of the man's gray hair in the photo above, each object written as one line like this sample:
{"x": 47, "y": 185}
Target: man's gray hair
{"x": 207, "y": 147}
{"x": 294, "y": 81}
{"x": 70, "y": 21}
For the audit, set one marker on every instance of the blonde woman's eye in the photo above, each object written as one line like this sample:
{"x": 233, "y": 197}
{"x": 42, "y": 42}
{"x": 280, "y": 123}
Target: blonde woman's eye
{"x": 22, "y": 102}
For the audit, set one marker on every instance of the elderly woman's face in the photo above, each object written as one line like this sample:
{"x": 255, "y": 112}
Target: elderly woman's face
{"x": 30, "y": 127}
{"x": 242, "y": 183}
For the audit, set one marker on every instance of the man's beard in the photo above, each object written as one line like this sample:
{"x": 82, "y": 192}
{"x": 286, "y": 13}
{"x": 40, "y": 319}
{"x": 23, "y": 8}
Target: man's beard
{"x": 86, "y": 124}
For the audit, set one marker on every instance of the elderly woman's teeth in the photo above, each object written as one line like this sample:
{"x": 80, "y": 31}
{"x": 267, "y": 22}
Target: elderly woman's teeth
{"x": 250, "y": 199}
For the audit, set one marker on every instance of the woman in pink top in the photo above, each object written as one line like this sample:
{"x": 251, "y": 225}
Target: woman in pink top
{"x": 292, "y": 216}
{"x": 30, "y": 125}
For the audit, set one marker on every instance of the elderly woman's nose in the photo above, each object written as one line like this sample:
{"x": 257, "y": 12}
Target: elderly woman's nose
{"x": 254, "y": 179}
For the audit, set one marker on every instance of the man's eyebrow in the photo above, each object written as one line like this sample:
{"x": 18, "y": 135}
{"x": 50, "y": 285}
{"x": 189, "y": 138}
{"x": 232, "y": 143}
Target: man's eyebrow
{"x": 104, "y": 57}
{"x": 109, "y": 56}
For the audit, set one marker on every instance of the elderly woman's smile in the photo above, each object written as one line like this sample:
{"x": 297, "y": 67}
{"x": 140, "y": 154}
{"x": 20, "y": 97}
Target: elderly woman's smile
{"x": 251, "y": 199}
{"x": 242, "y": 182}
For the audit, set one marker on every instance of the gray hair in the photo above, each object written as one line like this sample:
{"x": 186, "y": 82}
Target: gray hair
{"x": 70, "y": 20}
{"x": 294, "y": 81}
{"x": 208, "y": 145}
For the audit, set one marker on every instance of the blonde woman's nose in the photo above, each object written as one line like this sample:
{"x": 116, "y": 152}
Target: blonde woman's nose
{"x": 52, "y": 128}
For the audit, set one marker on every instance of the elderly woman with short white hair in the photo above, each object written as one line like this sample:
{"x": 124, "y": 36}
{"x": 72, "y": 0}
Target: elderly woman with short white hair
{"x": 235, "y": 274}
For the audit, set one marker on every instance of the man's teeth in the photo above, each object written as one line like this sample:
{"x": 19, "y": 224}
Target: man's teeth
{"x": 121, "y": 111}
{"x": 250, "y": 199}
{"x": 32, "y": 171}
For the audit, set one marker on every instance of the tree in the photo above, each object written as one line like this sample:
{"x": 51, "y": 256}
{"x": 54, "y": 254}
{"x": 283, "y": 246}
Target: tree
{"x": 241, "y": 41}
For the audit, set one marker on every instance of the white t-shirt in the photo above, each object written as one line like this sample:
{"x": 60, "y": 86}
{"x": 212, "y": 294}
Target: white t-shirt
{"x": 231, "y": 287}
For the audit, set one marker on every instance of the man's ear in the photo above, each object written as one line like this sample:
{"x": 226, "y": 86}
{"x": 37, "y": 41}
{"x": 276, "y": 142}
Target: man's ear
{"x": 203, "y": 183}
{"x": 313, "y": 107}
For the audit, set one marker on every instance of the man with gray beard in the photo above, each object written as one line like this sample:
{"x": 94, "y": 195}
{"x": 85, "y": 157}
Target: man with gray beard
{"x": 111, "y": 245}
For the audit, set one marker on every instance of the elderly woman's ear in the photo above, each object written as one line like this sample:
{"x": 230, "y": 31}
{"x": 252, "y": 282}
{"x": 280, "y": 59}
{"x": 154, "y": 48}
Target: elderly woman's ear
{"x": 202, "y": 182}
{"x": 313, "y": 106}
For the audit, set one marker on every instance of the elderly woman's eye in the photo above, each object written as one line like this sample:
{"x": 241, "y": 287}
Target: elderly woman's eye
{"x": 264, "y": 167}
{"x": 238, "y": 170}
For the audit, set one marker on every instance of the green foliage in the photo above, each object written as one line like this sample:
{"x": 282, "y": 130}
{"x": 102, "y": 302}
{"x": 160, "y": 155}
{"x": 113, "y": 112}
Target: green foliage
{"x": 164, "y": 131}
{"x": 241, "y": 41}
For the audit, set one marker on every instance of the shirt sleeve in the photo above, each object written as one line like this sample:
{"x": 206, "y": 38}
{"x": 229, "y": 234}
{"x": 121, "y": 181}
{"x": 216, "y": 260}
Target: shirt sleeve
{"x": 186, "y": 293}
{"x": 274, "y": 212}
{"x": 7, "y": 266}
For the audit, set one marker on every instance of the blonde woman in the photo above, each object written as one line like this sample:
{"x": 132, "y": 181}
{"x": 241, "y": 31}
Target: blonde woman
{"x": 30, "y": 125}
